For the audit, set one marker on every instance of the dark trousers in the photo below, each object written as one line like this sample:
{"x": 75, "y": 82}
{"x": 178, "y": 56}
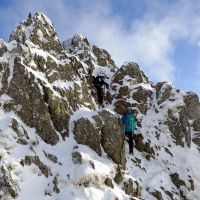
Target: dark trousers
{"x": 130, "y": 141}
{"x": 100, "y": 94}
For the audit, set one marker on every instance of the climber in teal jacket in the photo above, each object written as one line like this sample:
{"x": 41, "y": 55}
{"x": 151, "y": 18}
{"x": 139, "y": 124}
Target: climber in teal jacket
{"x": 129, "y": 122}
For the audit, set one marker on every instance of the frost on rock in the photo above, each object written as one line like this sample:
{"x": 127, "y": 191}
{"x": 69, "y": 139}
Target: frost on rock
{"x": 56, "y": 143}
{"x": 3, "y": 47}
{"x": 77, "y": 43}
{"x": 38, "y": 30}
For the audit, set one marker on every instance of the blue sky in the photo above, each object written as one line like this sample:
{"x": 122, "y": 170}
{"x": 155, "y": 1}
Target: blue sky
{"x": 162, "y": 36}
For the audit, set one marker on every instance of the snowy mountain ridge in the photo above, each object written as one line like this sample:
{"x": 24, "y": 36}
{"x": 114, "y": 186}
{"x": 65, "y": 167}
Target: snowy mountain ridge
{"x": 55, "y": 141}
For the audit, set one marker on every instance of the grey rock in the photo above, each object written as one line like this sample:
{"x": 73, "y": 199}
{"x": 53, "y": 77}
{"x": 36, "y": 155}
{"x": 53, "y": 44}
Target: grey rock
{"x": 157, "y": 195}
{"x": 112, "y": 138}
{"x": 121, "y": 105}
{"x": 108, "y": 133}
{"x": 77, "y": 157}
{"x": 132, "y": 74}
{"x": 5, "y": 72}
{"x": 109, "y": 183}
{"x": 34, "y": 111}
{"x": 193, "y": 109}
{"x": 196, "y": 139}
{"x": 92, "y": 164}
{"x": 142, "y": 96}
{"x": 9, "y": 186}
{"x": 103, "y": 57}
{"x": 163, "y": 91}
{"x": 179, "y": 127}
{"x": 128, "y": 187}
{"x": 51, "y": 157}
{"x": 3, "y": 47}
{"x": 28, "y": 160}
{"x": 20, "y": 131}
{"x": 176, "y": 180}
{"x": 133, "y": 71}
{"x": 55, "y": 183}
{"x": 43, "y": 34}
{"x": 192, "y": 105}
{"x": 119, "y": 175}
{"x": 86, "y": 133}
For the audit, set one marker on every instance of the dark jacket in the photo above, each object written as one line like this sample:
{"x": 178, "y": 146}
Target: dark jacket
{"x": 99, "y": 82}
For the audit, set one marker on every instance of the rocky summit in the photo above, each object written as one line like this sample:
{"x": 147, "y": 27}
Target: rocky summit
{"x": 57, "y": 142}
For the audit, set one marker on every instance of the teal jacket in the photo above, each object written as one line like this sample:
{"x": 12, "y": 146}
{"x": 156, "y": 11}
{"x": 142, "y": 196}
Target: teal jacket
{"x": 128, "y": 120}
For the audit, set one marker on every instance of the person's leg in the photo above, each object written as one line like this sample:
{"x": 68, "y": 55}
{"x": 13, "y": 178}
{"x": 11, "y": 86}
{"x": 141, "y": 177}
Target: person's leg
{"x": 130, "y": 137}
{"x": 100, "y": 95}
{"x": 126, "y": 137}
{"x": 100, "y": 100}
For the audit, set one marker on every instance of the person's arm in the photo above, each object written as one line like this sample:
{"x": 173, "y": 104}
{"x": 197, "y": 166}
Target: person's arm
{"x": 135, "y": 121}
{"x": 106, "y": 84}
{"x": 102, "y": 82}
{"x": 93, "y": 79}
{"x": 123, "y": 119}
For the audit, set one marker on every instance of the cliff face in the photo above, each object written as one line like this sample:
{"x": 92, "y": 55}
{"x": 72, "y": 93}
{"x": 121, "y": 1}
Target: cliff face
{"x": 57, "y": 144}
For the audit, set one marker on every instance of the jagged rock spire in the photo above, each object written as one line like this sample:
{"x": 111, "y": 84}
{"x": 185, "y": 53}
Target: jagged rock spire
{"x": 40, "y": 31}
{"x": 3, "y": 47}
{"x": 77, "y": 42}
{"x": 79, "y": 45}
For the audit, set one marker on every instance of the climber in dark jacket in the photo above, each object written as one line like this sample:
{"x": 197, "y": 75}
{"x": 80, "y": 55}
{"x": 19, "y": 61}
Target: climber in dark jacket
{"x": 99, "y": 83}
{"x": 129, "y": 122}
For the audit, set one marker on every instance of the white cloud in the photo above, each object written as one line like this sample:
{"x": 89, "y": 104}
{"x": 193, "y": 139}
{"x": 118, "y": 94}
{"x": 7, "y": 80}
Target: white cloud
{"x": 150, "y": 40}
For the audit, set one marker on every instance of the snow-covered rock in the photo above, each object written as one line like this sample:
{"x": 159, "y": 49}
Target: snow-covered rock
{"x": 55, "y": 142}
{"x": 39, "y": 31}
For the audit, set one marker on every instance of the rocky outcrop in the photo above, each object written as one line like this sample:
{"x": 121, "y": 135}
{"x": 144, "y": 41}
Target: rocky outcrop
{"x": 28, "y": 160}
{"x": 179, "y": 183}
{"x": 43, "y": 89}
{"x": 178, "y": 119}
{"x": 40, "y": 31}
{"x": 39, "y": 84}
{"x": 157, "y": 195}
{"x": 192, "y": 105}
{"x": 27, "y": 93}
{"x": 163, "y": 91}
{"x": 106, "y": 133}
{"x": 103, "y": 57}
{"x": 176, "y": 180}
{"x": 80, "y": 46}
{"x": 112, "y": 138}
{"x": 76, "y": 43}
{"x": 20, "y": 131}
{"x": 77, "y": 157}
{"x": 180, "y": 126}
{"x": 51, "y": 157}
{"x": 196, "y": 139}
{"x": 86, "y": 133}
{"x": 128, "y": 92}
{"x": 5, "y": 72}
{"x": 8, "y": 185}
{"x": 133, "y": 73}
{"x": 193, "y": 109}
{"x": 3, "y": 47}
{"x": 143, "y": 97}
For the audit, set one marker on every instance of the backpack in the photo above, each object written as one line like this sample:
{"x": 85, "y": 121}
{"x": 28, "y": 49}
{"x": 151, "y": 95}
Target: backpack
{"x": 129, "y": 122}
